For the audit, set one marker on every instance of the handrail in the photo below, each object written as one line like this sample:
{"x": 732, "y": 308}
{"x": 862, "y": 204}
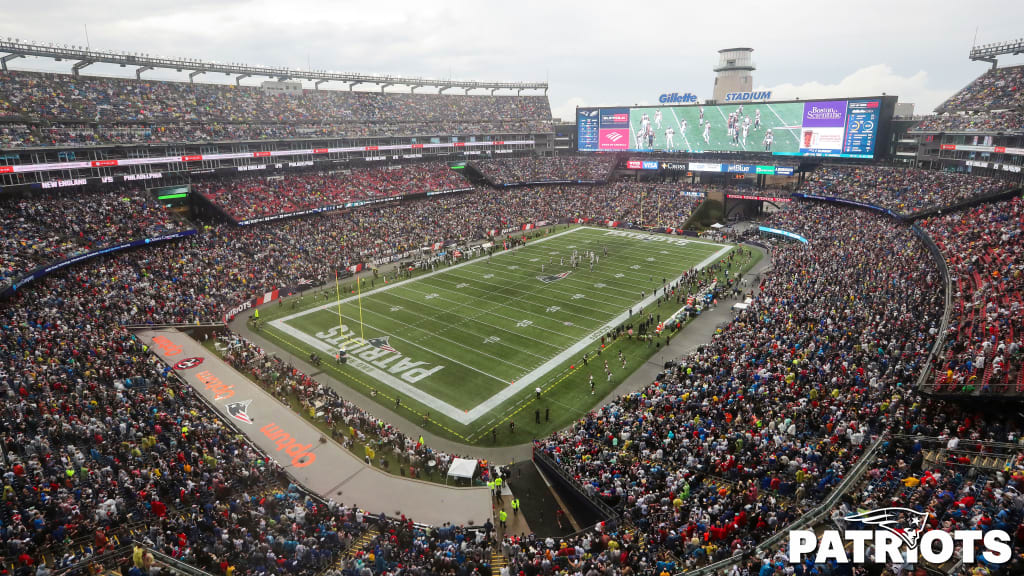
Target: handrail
{"x": 937, "y": 440}
{"x": 947, "y": 304}
{"x": 605, "y": 509}
{"x": 127, "y": 551}
{"x": 963, "y": 204}
{"x": 98, "y": 558}
{"x": 174, "y": 563}
{"x": 174, "y": 325}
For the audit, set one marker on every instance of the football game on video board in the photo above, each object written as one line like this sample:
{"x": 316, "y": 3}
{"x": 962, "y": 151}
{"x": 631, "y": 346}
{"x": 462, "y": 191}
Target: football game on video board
{"x": 830, "y": 128}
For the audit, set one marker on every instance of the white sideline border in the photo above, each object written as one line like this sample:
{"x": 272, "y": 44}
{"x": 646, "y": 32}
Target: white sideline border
{"x": 462, "y": 416}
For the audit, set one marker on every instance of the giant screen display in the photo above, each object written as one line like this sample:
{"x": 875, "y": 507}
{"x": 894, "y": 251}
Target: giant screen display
{"x": 832, "y": 128}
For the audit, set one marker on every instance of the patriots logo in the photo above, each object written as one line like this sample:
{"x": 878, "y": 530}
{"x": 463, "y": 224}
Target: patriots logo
{"x": 381, "y": 343}
{"x": 554, "y": 277}
{"x": 905, "y": 523}
{"x": 240, "y": 410}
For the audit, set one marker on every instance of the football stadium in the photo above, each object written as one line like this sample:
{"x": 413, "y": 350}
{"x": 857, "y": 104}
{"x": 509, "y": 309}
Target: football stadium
{"x": 272, "y": 319}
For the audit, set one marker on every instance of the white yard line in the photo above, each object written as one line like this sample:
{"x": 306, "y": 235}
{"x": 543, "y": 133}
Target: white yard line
{"x": 783, "y": 127}
{"x": 509, "y": 318}
{"x": 549, "y": 344}
{"x": 681, "y": 131}
{"x": 535, "y": 294}
{"x": 561, "y": 302}
{"x": 394, "y": 285}
{"x": 572, "y": 279}
{"x": 439, "y": 337}
{"x": 381, "y": 376}
{"x": 430, "y": 350}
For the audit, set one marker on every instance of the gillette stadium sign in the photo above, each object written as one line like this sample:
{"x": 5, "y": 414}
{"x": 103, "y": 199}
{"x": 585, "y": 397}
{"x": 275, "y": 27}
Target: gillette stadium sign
{"x": 677, "y": 98}
{"x": 748, "y": 96}
{"x": 898, "y": 536}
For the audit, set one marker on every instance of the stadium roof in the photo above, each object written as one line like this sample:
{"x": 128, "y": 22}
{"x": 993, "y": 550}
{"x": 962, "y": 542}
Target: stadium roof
{"x": 143, "y": 62}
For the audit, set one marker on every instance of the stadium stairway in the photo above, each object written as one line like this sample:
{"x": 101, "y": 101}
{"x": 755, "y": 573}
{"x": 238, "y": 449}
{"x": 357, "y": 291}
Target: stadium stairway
{"x": 358, "y": 544}
{"x": 498, "y": 559}
{"x": 983, "y": 460}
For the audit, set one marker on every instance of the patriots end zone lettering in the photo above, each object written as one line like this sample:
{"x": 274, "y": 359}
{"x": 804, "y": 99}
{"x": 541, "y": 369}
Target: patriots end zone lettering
{"x": 649, "y": 237}
{"x": 378, "y": 352}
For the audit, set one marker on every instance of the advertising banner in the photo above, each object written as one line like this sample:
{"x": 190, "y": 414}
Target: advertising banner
{"x": 823, "y": 127}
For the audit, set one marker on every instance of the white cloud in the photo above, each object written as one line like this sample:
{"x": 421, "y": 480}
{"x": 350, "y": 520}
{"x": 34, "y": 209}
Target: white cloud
{"x": 567, "y": 111}
{"x": 871, "y": 81}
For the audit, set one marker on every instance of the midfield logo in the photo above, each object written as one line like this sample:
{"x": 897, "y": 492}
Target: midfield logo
{"x": 554, "y": 278}
{"x": 900, "y": 538}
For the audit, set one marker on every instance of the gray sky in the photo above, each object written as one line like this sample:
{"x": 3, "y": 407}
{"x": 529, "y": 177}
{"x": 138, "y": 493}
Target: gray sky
{"x": 592, "y": 53}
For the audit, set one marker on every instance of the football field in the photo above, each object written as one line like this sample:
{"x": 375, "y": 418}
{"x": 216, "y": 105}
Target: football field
{"x": 468, "y": 343}
{"x": 783, "y": 119}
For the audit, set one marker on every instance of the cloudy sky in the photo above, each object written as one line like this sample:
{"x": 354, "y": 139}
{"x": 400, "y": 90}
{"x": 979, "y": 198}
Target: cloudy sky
{"x": 592, "y": 53}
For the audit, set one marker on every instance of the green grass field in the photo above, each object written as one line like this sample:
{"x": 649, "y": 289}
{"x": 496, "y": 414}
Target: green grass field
{"x": 469, "y": 343}
{"x": 783, "y": 119}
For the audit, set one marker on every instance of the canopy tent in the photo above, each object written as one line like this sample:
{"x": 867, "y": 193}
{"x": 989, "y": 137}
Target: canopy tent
{"x": 743, "y": 305}
{"x": 462, "y": 468}
{"x": 716, "y": 226}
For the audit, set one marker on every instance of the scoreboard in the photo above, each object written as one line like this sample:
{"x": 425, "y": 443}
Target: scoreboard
{"x": 844, "y": 128}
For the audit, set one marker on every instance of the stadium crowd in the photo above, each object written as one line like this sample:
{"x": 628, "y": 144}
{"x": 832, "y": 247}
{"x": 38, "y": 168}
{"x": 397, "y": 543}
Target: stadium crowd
{"x": 502, "y": 171}
{"x": 42, "y": 228}
{"x": 997, "y": 89}
{"x": 378, "y": 232}
{"x": 746, "y": 434}
{"x": 902, "y": 190}
{"x": 57, "y": 109}
{"x": 984, "y": 250}
{"x": 256, "y": 196}
{"x": 100, "y": 437}
{"x": 21, "y": 135}
{"x": 1003, "y": 121}
{"x": 735, "y": 442}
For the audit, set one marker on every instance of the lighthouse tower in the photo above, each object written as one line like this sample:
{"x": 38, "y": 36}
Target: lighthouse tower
{"x": 733, "y": 73}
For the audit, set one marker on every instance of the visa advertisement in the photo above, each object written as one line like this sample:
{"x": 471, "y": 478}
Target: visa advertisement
{"x": 827, "y": 128}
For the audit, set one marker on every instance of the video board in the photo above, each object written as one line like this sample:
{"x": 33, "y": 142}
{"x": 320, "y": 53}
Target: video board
{"x": 827, "y": 128}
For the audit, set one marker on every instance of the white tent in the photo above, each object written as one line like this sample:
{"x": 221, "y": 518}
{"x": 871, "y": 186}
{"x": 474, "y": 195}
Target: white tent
{"x": 462, "y": 468}
{"x": 743, "y": 305}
